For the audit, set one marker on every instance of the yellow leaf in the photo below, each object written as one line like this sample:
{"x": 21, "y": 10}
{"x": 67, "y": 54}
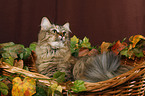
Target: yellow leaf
{"x": 130, "y": 47}
{"x": 59, "y": 88}
{"x": 27, "y": 87}
{"x": 74, "y": 39}
{"x": 53, "y": 88}
{"x": 131, "y": 38}
{"x": 30, "y": 85}
{"x": 17, "y": 88}
{"x": 104, "y": 46}
{"x": 135, "y": 39}
{"x": 85, "y": 40}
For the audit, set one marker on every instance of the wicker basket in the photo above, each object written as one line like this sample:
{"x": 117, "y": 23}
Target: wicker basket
{"x": 130, "y": 83}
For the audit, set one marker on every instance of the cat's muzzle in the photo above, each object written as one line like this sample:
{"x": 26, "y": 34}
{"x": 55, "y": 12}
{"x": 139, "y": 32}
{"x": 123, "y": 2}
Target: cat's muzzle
{"x": 56, "y": 45}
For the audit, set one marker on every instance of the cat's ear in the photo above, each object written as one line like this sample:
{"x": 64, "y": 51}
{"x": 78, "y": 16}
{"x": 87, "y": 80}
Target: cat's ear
{"x": 45, "y": 24}
{"x": 66, "y": 26}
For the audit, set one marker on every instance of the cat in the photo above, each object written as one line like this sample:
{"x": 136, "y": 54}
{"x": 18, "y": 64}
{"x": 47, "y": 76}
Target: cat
{"x": 54, "y": 54}
{"x": 99, "y": 67}
{"x": 53, "y": 49}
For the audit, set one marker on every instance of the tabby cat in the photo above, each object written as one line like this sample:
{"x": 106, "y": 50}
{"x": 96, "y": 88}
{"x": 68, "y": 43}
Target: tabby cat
{"x": 53, "y": 49}
{"x": 53, "y": 54}
{"x": 99, "y": 67}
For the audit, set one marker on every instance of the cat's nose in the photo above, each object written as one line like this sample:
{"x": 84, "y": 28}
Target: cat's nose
{"x": 60, "y": 38}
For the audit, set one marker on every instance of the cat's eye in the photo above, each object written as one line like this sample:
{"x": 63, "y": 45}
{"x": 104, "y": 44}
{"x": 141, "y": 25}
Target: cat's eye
{"x": 55, "y": 31}
{"x": 64, "y": 33}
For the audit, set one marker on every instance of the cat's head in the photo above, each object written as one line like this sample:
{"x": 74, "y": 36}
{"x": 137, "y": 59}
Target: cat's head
{"x": 46, "y": 25}
{"x": 55, "y": 33}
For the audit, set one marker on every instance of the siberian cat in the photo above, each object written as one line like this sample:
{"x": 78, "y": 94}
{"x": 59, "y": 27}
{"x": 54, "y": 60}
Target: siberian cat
{"x": 99, "y": 67}
{"x": 53, "y": 51}
{"x": 53, "y": 54}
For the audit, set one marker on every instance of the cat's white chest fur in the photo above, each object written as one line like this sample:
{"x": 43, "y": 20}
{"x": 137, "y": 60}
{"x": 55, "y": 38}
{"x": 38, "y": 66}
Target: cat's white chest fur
{"x": 56, "y": 44}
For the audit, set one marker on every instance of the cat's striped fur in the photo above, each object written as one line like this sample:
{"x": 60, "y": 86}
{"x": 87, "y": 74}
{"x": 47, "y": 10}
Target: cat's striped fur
{"x": 53, "y": 51}
{"x": 99, "y": 67}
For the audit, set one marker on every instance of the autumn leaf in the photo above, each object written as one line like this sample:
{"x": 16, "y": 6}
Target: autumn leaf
{"x": 27, "y": 87}
{"x": 85, "y": 43}
{"x": 74, "y": 39}
{"x": 55, "y": 87}
{"x": 135, "y": 39}
{"x": 74, "y": 46}
{"x": 105, "y": 46}
{"x": 117, "y": 47}
{"x": 93, "y": 52}
{"x": 86, "y": 40}
{"x": 83, "y": 52}
{"x": 130, "y": 47}
{"x": 59, "y": 88}
{"x": 19, "y": 63}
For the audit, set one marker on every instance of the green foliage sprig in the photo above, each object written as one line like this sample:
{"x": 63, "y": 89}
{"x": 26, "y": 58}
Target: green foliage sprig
{"x": 10, "y": 51}
{"x": 76, "y": 44}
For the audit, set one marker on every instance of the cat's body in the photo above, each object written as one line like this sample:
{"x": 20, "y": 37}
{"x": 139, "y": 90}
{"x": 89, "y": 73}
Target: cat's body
{"x": 99, "y": 67}
{"x": 53, "y": 51}
{"x": 53, "y": 54}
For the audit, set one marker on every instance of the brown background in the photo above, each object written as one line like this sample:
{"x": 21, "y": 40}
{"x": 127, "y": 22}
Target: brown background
{"x": 99, "y": 20}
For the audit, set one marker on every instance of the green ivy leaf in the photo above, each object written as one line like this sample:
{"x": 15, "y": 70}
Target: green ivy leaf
{"x": 72, "y": 47}
{"x": 86, "y": 45}
{"x": 6, "y": 55}
{"x": 27, "y": 53}
{"x": 7, "y": 44}
{"x": 57, "y": 93}
{"x": 9, "y": 60}
{"x": 13, "y": 54}
{"x": 3, "y": 86}
{"x": 26, "y": 68}
{"x": 2, "y": 50}
{"x": 13, "y": 48}
{"x": 32, "y": 46}
{"x": 21, "y": 55}
{"x": 20, "y": 50}
{"x": 123, "y": 40}
{"x": 138, "y": 52}
{"x": 78, "y": 86}
{"x": 40, "y": 91}
{"x": 4, "y": 91}
{"x": 59, "y": 76}
{"x": 124, "y": 52}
